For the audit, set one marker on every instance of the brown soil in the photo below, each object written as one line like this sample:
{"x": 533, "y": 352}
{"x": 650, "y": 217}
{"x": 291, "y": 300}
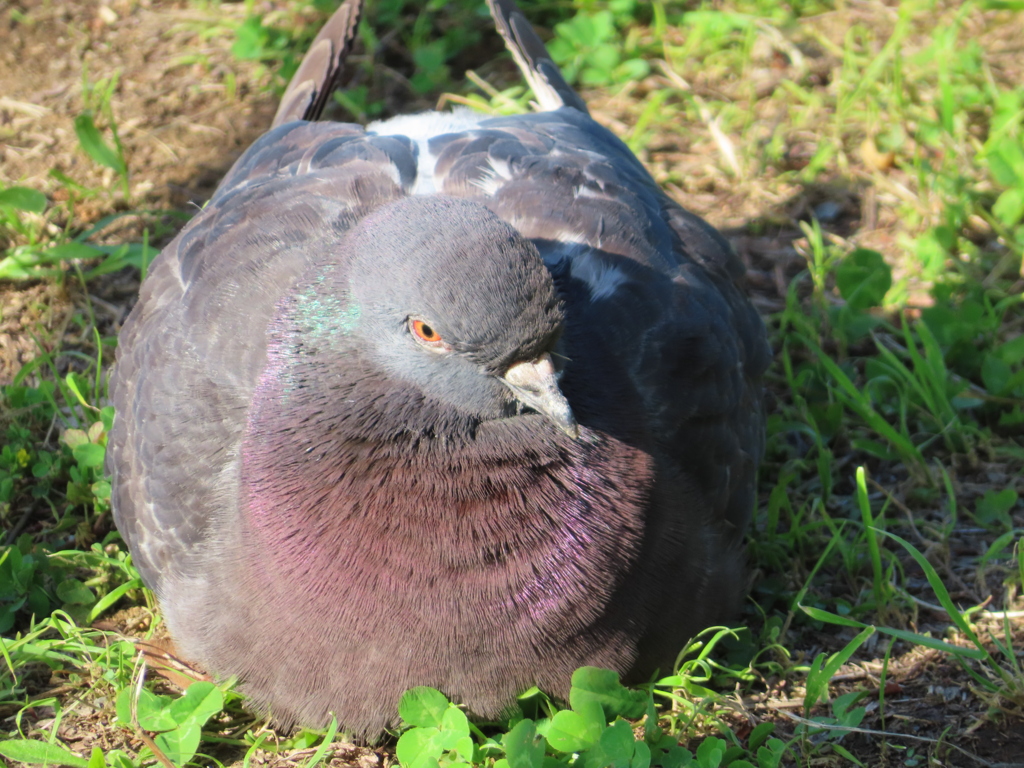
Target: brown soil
{"x": 184, "y": 110}
{"x": 31, "y": 317}
{"x": 180, "y": 125}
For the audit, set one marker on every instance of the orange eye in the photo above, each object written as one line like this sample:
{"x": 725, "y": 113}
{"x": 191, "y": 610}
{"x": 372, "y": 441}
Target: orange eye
{"x": 425, "y": 333}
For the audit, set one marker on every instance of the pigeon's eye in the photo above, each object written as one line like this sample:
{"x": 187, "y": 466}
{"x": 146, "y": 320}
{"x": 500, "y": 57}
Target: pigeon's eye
{"x": 426, "y": 335}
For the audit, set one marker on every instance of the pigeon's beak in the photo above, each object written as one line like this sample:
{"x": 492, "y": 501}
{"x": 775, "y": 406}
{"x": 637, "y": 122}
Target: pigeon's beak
{"x": 535, "y": 385}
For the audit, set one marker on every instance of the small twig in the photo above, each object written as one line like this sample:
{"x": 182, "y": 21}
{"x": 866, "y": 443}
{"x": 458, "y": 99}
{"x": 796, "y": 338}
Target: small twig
{"x": 724, "y": 143}
{"x": 674, "y": 77}
{"x": 32, "y": 110}
{"x": 930, "y": 606}
{"x": 862, "y": 674}
{"x": 15, "y": 532}
{"x": 113, "y": 310}
{"x": 1000, "y": 614}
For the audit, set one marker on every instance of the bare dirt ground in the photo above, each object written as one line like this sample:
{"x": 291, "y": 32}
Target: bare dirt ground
{"x": 186, "y": 108}
{"x": 180, "y": 129}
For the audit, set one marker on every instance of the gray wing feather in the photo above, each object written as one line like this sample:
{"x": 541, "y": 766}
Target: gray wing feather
{"x": 533, "y": 59}
{"x": 317, "y": 76}
{"x": 200, "y": 323}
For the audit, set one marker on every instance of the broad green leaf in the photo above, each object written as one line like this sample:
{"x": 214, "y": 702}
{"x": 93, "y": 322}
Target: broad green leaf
{"x": 710, "y": 752}
{"x": 101, "y": 489}
{"x": 1009, "y": 206}
{"x": 454, "y": 727}
{"x": 603, "y": 686}
{"x": 932, "y": 252}
{"x": 181, "y": 744}
{"x": 1001, "y": 169}
{"x": 994, "y": 507}
{"x": 573, "y": 732}
{"x": 641, "y": 755}
{"x": 419, "y": 744}
{"x": 673, "y": 756}
{"x": 423, "y": 706}
{"x": 718, "y": 23}
{"x": 107, "y": 417}
{"x": 770, "y": 756}
{"x": 842, "y": 712}
{"x": 863, "y": 278}
{"x": 115, "y": 758}
{"x": 151, "y": 710}
{"x": 995, "y": 373}
{"x": 123, "y": 706}
{"x": 40, "y": 752}
{"x": 632, "y": 69}
{"x": 89, "y": 455}
{"x": 1012, "y": 352}
{"x": 652, "y": 731}
{"x": 75, "y": 592}
{"x": 617, "y": 743}
{"x": 464, "y": 748}
{"x": 200, "y": 702}
{"x": 759, "y": 735}
{"x": 249, "y": 39}
{"x": 523, "y": 747}
{"x": 73, "y": 438}
{"x": 23, "y": 199}
{"x": 1007, "y": 161}
{"x": 186, "y": 716}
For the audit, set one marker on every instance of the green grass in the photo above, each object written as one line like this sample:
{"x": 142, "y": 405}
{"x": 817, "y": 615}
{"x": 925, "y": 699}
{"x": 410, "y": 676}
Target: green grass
{"x": 871, "y": 165}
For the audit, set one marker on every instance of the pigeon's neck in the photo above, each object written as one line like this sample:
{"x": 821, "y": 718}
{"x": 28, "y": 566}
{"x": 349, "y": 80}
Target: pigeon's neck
{"x": 343, "y": 497}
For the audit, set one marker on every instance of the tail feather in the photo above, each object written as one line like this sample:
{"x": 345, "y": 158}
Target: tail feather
{"x": 318, "y": 74}
{"x": 533, "y": 58}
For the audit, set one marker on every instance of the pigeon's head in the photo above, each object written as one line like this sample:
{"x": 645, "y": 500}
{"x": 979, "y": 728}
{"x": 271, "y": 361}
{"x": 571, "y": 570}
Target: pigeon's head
{"x": 447, "y": 297}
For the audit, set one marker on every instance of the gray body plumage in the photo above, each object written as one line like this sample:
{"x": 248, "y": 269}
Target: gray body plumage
{"x": 335, "y": 511}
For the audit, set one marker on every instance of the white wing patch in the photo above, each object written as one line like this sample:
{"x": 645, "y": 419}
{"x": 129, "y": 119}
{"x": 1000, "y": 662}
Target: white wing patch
{"x": 421, "y": 129}
{"x": 497, "y": 174}
{"x": 602, "y": 278}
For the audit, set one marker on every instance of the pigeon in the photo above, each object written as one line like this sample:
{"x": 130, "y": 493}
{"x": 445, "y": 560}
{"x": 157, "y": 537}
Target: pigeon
{"x": 449, "y": 400}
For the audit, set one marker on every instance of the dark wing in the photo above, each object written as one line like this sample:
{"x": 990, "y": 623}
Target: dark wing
{"x": 533, "y": 59}
{"x": 191, "y": 352}
{"x": 653, "y": 291}
{"x": 317, "y": 76}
